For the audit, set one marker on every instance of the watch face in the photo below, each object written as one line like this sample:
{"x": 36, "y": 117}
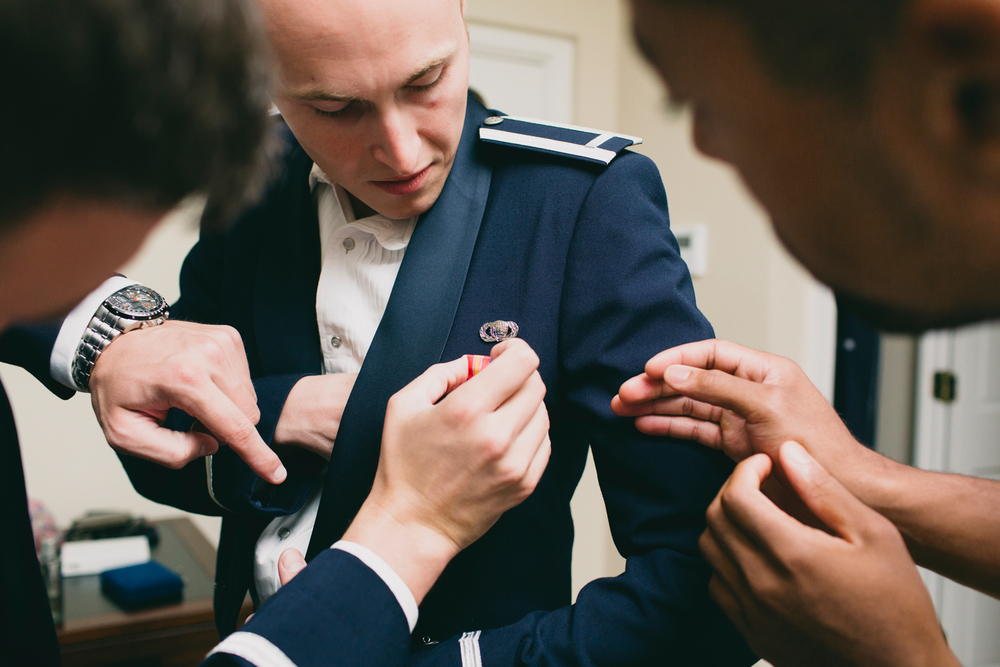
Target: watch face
{"x": 137, "y": 302}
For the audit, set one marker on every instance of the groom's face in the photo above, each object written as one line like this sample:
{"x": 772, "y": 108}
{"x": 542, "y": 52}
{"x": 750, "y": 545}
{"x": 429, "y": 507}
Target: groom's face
{"x": 375, "y": 92}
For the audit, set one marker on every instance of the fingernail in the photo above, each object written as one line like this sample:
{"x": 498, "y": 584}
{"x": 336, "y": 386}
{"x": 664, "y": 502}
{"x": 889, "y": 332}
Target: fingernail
{"x": 796, "y": 453}
{"x": 280, "y": 474}
{"x": 677, "y": 374}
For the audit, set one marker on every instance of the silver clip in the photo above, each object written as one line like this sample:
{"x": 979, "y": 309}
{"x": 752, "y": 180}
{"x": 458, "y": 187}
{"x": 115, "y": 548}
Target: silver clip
{"x": 498, "y": 330}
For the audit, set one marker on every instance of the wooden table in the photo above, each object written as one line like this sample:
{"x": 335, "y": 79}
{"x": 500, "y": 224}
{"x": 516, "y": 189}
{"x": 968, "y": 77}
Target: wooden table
{"x": 95, "y": 631}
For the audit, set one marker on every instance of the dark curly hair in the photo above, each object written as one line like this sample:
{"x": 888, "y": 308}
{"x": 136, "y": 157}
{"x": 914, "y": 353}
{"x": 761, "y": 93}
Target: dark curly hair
{"x": 140, "y": 101}
{"x": 827, "y": 44}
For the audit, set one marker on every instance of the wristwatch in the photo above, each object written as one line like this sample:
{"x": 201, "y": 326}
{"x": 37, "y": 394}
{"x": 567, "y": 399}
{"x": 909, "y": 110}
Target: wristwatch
{"x": 132, "y": 307}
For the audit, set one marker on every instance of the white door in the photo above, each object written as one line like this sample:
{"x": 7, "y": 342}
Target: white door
{"x": 522, "y": 73}
{"x": 962, "y": 436}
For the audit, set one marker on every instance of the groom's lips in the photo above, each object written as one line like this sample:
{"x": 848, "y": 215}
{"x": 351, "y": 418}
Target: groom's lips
{"x": 404, "y": 185}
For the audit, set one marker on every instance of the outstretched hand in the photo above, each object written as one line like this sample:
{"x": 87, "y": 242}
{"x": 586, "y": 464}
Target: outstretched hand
{"x": 735, "y": 399}
{"x": 201, "y": 369}
{"x": 846, "y": 594}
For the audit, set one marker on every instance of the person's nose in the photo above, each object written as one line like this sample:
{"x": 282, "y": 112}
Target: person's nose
{"x": 398, "y": 146}
{"x": 708, "y": 135}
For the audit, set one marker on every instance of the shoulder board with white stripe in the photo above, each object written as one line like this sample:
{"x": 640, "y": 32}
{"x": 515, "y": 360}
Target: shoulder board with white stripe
{"x": 555, "y": 138}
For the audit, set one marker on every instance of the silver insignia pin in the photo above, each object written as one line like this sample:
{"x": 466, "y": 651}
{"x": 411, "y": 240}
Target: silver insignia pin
{"x": 498, "y": 330}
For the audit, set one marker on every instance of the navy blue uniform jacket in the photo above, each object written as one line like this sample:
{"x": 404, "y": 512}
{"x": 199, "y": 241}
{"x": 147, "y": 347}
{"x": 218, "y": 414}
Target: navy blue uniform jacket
{"x": 354, "y": 621}
{"x": 27, "y": 636}
{"x": 581, "y": 257}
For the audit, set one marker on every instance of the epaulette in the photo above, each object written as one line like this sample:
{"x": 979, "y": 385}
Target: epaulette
{"x": 555, "y": 138}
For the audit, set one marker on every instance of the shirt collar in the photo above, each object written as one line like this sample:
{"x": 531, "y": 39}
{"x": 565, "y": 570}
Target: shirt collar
{"x": 390, "y": 234}
{"x": 316, "y": 176}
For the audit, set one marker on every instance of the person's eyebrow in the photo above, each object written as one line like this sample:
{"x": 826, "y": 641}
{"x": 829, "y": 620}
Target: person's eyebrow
{"x": 428, "y": 68}
{"x": 317, "y": 95}
{"x": 311, "y": 94}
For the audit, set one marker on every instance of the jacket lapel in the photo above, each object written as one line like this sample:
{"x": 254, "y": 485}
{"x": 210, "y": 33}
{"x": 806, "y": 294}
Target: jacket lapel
{"x": 287, "y": 333}
{"x": 412, "y": 334}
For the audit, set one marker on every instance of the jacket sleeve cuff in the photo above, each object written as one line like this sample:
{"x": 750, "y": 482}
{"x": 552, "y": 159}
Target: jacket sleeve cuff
{"x": 71, "y": 331}
{"x": 337, "y": 611}
{"x": 399, "y": 589}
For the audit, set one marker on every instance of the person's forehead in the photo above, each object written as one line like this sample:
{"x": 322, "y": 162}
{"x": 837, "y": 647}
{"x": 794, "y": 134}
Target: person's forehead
{"x": 683, "y": 35}
{"x": 350, "y": 84}
{"x": 374, "y": 39}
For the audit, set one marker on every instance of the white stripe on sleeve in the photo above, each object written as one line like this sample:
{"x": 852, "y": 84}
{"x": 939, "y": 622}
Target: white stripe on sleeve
{"x": 469, "y": 646}
{"x": 253, "y": 648}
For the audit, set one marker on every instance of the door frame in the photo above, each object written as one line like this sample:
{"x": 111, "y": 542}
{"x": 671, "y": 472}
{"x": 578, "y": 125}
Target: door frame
{"x": 932, "y": 423}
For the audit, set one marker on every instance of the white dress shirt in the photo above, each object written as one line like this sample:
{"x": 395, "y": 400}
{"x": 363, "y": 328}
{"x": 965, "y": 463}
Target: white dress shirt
{"x": 360, "y": 260}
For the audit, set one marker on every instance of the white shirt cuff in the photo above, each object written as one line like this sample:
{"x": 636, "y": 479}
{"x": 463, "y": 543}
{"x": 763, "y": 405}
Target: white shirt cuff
{"x": 395, "y": 583}
{"x": 68, "y": 340}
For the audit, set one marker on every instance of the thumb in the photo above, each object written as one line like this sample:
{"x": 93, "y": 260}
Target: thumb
{"x": 827, "y": 498}
{"x": 138, "y": 435}
{"x": 290, "y": 563}
{"x": 433, "y": 384}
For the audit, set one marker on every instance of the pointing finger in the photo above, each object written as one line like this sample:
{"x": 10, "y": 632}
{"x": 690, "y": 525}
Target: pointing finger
{"x": 720, "y": 389}
{"x": 713, "y": 355}
{"x": 230, "y": 426}
{"x": 683, "y": 428}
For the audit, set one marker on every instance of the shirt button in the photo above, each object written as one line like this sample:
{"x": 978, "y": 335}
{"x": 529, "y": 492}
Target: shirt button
{"x": 283, "y": 533}
{"x": 349, "y": 244}
{"x": 335, "y": 341}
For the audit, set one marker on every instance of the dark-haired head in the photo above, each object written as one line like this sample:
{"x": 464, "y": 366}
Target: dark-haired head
{"x": 815, "y": 44}
{"x": 869, "y": 129}
{"x": 132, "y": 101}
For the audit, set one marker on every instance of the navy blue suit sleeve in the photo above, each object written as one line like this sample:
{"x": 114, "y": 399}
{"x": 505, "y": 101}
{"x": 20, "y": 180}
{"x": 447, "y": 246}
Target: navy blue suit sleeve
{"x": 30, "y": 347}
{"x": 335, "y": 612}
{"x": 627, "y": 296}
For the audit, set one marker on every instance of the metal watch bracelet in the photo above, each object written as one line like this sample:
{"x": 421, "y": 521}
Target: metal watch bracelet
{"x": 104, "y": 327}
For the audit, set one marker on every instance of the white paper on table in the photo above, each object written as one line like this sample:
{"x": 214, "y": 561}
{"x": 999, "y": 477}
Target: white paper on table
{"x": 96, "y": 556}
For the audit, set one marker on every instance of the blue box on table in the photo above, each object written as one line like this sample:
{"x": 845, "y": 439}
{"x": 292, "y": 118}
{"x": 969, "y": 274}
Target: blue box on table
{"x": 143, "y": 585}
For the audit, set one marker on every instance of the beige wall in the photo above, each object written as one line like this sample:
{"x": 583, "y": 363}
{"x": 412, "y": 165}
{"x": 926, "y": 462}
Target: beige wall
{"x": 752, "y": 293}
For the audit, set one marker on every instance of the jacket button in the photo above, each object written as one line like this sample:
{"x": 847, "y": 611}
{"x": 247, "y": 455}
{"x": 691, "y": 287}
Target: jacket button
{"x": 493, "y": 120}
{"x": 335, "y": 341}
{"x": 428, "y": 641}
{"x": 283, "y": 533}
